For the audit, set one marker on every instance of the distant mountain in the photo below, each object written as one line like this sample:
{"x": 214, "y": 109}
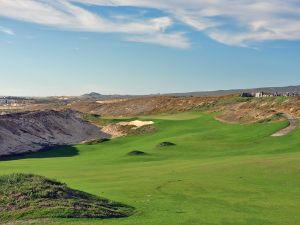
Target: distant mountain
{"x": 92, "y": 95}
{"x": 290, "y": 89}
{"x": 97, "y": 96}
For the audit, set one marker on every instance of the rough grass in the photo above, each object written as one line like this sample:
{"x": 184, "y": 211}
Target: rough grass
{"x": 217, "y": 174}
{"x": 165, "y": 144}
{"x": 27, "y": 196}
{"x": 275, "y": 117}
{"x": 97, "y": 119}
{"x": 144, "y": 130}
{"x": 98, "y": 141}
{"x": 103, "y": 121}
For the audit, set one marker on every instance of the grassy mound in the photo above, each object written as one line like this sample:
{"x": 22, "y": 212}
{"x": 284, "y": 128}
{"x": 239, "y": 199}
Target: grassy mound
{"x": 148, "y": 129}
{"x": 136, "y": 152}
{"x": 166, "y": 144}
{"x": 98, "y": 141}
{"x": 25, "y": 196}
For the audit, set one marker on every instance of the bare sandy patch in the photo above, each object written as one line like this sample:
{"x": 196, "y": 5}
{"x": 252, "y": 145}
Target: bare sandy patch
{"x": 119, "y": 129}
{"x": 136, "y": 123}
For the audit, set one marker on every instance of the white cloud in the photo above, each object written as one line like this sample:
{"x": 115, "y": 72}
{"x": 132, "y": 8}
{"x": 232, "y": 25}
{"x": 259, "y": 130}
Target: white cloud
{"x": 173, "y": 40}
{"x": 239, "y": 23}
{"x": 64, "y": 14}
{"x": 6, "y": 30}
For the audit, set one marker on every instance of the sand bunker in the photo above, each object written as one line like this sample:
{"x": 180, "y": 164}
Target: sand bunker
{"x": 136, "y": 123}
{"x": 119, "y": 129}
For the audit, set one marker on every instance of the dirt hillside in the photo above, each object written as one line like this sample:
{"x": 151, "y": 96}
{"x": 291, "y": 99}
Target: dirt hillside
{"x": 145, "y": 106}
{"x": 231, "y": 108}
{"x": 258, "y": 109}
{"x": 32, "y": 131}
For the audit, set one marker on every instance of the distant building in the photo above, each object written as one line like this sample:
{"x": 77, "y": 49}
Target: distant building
{"x": 4, "y": 100}
{"x": 276, "y": 94}
{"x": 259, "y": 94}
{"x": 12, "y": 101}
{"x": 247, "y": 95}
{"x": 289, "y": 94}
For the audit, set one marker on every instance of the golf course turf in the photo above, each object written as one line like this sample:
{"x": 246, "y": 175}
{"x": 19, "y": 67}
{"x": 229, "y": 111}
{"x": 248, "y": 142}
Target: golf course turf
{"x": 217, "y": 173}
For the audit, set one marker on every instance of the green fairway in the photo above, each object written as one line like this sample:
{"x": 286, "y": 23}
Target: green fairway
{"x": 216, "y": 173}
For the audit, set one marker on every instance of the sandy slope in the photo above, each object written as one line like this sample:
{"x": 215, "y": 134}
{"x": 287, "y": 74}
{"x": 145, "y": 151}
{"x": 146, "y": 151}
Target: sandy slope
{"x": 30, "y": 132}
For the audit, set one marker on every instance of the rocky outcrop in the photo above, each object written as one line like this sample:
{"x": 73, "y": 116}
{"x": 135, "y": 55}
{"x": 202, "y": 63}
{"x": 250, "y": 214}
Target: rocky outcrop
{"x": 33, "y": 131}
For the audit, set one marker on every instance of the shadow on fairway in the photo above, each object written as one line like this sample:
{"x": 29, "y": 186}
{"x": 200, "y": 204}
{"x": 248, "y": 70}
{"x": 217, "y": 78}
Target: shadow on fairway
{"x": 53, "y": 152}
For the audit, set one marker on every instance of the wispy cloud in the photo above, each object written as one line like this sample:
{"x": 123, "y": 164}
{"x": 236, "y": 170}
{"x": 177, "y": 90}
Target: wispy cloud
{"x": 6, "y": 30}
{"x": 64, "y": 14}
{"x": 173, "y": 40}
{"x": 239, "y": 23}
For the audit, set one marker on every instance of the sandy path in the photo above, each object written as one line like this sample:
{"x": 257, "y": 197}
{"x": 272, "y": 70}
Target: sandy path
{"x": 293, "y": 124}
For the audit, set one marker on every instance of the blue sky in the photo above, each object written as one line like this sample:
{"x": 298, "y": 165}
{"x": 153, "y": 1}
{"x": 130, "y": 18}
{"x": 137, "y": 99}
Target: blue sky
{"x": 70, "y": 47}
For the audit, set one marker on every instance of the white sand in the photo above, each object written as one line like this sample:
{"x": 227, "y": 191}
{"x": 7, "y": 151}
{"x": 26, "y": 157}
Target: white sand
{"x": 115, "y": 130}
{"x": 136, "y": 123}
